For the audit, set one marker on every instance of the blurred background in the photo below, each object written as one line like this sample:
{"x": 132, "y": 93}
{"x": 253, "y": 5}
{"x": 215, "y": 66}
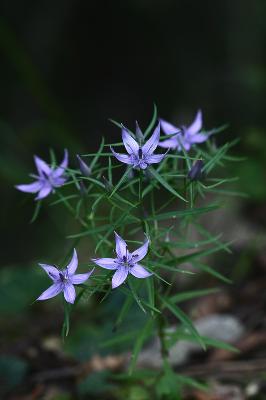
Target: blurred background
{"x": 68, "y": 66}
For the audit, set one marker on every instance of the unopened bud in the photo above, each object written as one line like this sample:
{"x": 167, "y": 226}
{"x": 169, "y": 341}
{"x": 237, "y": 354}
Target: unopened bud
{"x": 195, "y": 172}
{"x": 84, "y": 168}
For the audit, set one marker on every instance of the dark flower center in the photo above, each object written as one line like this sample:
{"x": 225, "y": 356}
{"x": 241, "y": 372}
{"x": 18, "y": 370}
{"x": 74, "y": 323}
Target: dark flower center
{"x": 63, "y": 278}
{"x": 140, "y": 152}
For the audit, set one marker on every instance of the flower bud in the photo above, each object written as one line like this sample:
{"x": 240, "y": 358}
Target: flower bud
{"x": 84, "y": 168}
{"x": 195, "y": 172}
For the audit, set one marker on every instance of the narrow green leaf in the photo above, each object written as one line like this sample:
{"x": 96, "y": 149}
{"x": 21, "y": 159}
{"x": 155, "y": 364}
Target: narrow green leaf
{"x": 211, "y": 271}
{"x": 152, "y": 122}
{"x": 165, "y": 184}
{"x": 183, "y": 213}
{"x": 180, "y": 297}
{"x": 184, "y": 319}
{"x": 36, "y": 211}
{"x": 120, "y": 181}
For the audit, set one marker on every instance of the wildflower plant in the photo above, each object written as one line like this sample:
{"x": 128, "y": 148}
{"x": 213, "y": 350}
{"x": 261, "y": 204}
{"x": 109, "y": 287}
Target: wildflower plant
{"x": 147, "y": 219}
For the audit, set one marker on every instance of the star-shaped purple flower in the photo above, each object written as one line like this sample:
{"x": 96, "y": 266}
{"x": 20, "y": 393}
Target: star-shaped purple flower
{"x": 64, "y": 280}
{"x": 140, "y": 156}
{"x": 125, "y": 262}
{"x": 47, "y": 179}
{"x": 186, "y": 136}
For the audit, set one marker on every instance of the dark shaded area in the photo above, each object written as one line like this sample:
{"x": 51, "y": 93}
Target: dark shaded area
{"x": 66, "y": 67}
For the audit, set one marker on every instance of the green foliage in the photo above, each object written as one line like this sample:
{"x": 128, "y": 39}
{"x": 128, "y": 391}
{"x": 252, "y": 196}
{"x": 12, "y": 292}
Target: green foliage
{"x": 166, "y": 206}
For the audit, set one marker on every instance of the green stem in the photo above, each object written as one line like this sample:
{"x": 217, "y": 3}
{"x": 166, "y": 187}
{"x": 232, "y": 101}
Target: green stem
{"x": 141, "y": 201}
{"x": 161, "y": 325}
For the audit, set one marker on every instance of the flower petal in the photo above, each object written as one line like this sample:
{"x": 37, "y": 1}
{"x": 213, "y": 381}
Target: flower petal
{"x": 72, "y": 266}
{"x": 168, "y": 128}
{"x": 124, "y": 158}
{"x": 107, "y": 263}
{"x": 30, "y": 188}
{"x": 120, "y": 246}
{"x": 51, "y": 271}
{"x": 44, "y": 192}
{"x": 155, "y": 158}
{"x": 119, "y": 276}
{"x": 152, "y": 143}
{"x": 196, "y": 125}
{"x": 69, "y": 293}
{"x": 61, "y": 169}
{"x": 141, "y": 252}
{"x": 80, "y": 278}
{"x": 42, "y": 166}
{"x": 57, "y": 182}
{"x": 142, "y": 164}
{"x": 52, "y": 291}
{"x": 130, "y": 144}
{"x": 169, "y": 143}
{"x": 199, "y": 138}
{"x": 139, "y": 271}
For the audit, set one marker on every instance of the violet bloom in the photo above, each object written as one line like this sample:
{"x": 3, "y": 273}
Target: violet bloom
{"x": 64, "y": 280}
{"x": 125, "y": 262}
{"x": 47, "y": 179}
{"x": 186, "y": 136}
{"x": 140, "y": 156}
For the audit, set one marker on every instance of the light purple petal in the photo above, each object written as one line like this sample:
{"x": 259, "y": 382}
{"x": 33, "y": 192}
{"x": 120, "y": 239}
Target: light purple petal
{"x": 199, "y": 138}
{"x": 196, "y": 125}
{"x": 42, "y": 166}
{"x": 107, "y": 263}
{"x": 44, "y": 192}
{"x": 61, "y": 169}
{"x": 152, "y": 143}
{"x": 141, "y": 252}
{"x": 57, "y": 182}
{"x": 169, "y": 143}
{"x": 72, "y": 266}
{"x": 119, "y": 277}
{"x": 80, "y": 278}
{"x": 168, "y": 128}
{"x": 69, "y": 293}
{"x": 52, "y": 291}
{"x": 124, "y": 158}
{"x": 120, "y": 246}
{"x": 142, "y": 164}
{"x": 186, "y": 144}
{"x": 155, "y": 158}
{"x": 30, "y": 188}
{"x": 51, "y": 271}
{"x": 130, "y": 144}
{"x": 139, "y": 271}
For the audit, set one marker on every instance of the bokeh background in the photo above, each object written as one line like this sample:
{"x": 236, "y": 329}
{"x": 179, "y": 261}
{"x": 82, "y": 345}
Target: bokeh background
{"x": 68, "y": 66}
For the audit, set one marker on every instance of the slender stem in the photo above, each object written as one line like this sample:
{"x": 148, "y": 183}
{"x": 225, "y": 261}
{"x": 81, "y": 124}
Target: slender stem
{"x": 141, "y": 201}
{"x": 140, "y": 185}
{"x": 161, "y": 325}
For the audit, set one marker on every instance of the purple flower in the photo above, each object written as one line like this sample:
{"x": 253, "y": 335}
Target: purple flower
{"x": 47, "y": 179}
{"x": 185, "y": 137}
{"x": 140, "y": 156}
{"x": 125, "y": 262}
{"x": 64, "y": 280}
